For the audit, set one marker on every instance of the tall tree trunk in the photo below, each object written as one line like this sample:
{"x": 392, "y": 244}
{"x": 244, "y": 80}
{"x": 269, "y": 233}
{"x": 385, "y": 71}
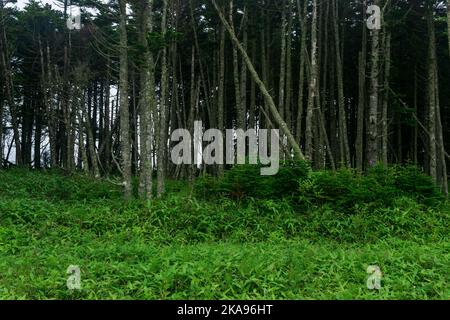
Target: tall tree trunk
{"x": 282, "y": 80}
{"x": 384, "y": 118}
{"x": 9, "y": 86}
{"x": 313, "y": 85}
{"x": 416, "y": 125}
{"x": 362, "y": 64}
{"x": 252, "y": 107}
{"x": 124, "y": 109}
{"x": 432, "y": 94}
{"x": 221, "y": 90}
{"x": 440, "y": 139}
{"x": 288, "y": 103}
{"x": 37, "y": 136}
{"x": 107, "y": 128}
{"x": 91, "y": 144}
{"x": 2, "y": 101}
{"x": 243, "y": 90}
{"x": 301, "y": 86}
{"x": 162, "y": 155}
{"x": 46, "y": 84}
{"x": 372, "y": 142}
{"x": 240, "y": 113}
{"x": 345, "y": 157}
{"x": 147, "y": 102}
{"x": 448, "y": 23}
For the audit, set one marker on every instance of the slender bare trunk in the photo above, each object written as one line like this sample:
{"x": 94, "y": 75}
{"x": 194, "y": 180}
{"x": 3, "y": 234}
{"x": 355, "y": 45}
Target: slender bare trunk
{"x": 162, "y": 154}
{"x": 124, "y": 109}
{"x": 372, "y": 142}
{"x": 384, "y": 118}
{"x": 312, "y": 86}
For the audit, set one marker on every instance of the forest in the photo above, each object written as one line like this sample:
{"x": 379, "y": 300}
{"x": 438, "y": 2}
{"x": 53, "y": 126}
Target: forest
{"x": 346, "y": 99}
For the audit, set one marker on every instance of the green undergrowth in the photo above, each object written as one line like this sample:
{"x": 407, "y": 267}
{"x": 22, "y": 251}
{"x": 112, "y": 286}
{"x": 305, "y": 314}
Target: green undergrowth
{"x": 315, "y": 242}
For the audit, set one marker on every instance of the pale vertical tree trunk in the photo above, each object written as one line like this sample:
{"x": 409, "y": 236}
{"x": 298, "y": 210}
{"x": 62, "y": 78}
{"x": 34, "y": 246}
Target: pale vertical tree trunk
{"x": 448, "y": 23}
{"x": 362, "y": 64}
{"x": 2, "y": 99}
{"x": 78, "y": 106}
{"x": 47, "y": 101}
{"x": 416, "y": 125}
{"x": 146, "y": 102}
{"x": 221, "y": 93}
{"x": 124, "y": 109}
{"x": 9, "y": 86}
{"x": 107, "y": 131}
{"x": 162, "y": 155}
{"x": 345, "y": 157}
{"x": 252, "y": 108}
{"x": 81, "y": 145}
{"x": 194, "y": 92}
{"x": 303, "y": 18}
{"x": 312, "y": 86}
{"x": 288, "y": 104}
{"x": 243, "y": 79}
{"x": 372, "y": 141}
{"x": 282, "y": 82}
{"x": 432, "y": 95}
{"x": 440, "y": 138}
{"x": 384, "y": 118}
{"x": 264, "y": 76}
{"x": 1, "y": 130}
{"x": 240, "y": 113}
{"x": 91, "y": 144}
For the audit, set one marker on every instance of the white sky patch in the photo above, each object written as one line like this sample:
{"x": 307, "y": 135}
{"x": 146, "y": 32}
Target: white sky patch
{"x": 22, "y": 3}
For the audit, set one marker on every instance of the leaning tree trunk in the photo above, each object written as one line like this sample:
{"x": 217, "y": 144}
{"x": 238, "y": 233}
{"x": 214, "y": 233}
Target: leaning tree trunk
{"x": 273, "y": 109}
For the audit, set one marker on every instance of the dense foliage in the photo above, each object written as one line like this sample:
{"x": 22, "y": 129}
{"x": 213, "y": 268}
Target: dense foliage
{"x": 190, "y": 247}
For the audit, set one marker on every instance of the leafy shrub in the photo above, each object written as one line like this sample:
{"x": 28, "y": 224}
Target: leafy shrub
{"x": 346, "y": 190}
{"x": 246, "y": 181}
{"x": 55, "y": 186}
{"x": 410, "y": 180}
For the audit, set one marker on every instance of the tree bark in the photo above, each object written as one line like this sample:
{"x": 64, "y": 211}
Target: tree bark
{"x": 221, "y": 89}
{"x": 384, "y": 119}
{"x": 345, "y": 157}
{"x": 146, "y": 102}
{"x": 301, "y": 86}
{"x": 313, "y": 84}
{"x": 124, "y": 108}
{"x": 162, "y": 154}
{"x": 372, "y": 141}
{"x": 362, "y": 64}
